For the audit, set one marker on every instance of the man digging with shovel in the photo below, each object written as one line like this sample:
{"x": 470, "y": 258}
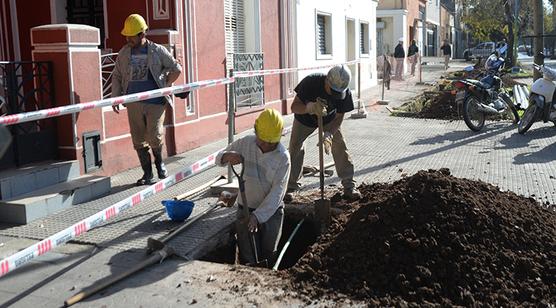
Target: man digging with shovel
{"x": 265, "y": 171}
{"x": 327, "y": 97}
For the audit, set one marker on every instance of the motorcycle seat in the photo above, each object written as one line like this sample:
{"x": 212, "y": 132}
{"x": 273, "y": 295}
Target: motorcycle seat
{"x": 480, "y": 84}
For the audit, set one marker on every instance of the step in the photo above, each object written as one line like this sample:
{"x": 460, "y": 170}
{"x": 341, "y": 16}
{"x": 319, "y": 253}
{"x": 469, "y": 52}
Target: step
{"x": 43, "y": 202}
{"x": 23, "y": 180}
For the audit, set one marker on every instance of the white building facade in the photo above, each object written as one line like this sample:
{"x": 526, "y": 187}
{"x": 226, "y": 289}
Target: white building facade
{"x": 331, "y": 31}
{"x": 433, "y": 41}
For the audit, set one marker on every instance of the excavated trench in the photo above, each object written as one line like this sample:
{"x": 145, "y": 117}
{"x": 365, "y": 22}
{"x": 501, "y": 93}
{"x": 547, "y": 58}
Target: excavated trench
{"x": 304, "y": 237}
{"x": 430, "y": 239}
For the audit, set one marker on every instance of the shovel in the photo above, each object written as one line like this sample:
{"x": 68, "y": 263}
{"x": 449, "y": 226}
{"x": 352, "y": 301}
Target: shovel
{"x": 322, "y": 206}
{"x": 242, "y": 225}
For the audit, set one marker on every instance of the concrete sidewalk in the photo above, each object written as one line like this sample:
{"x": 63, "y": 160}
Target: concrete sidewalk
{"x": 383, "y": 149}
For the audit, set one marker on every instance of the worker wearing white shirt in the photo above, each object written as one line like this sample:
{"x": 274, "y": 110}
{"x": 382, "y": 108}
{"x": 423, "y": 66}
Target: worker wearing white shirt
{"x": 267, "y": 169}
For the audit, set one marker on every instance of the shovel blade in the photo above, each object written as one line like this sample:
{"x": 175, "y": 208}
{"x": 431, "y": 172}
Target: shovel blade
{"x": 322, "y": 214}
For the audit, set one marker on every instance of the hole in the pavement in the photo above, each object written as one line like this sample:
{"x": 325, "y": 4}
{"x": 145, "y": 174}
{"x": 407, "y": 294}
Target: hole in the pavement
{"x": 304, "y": 237}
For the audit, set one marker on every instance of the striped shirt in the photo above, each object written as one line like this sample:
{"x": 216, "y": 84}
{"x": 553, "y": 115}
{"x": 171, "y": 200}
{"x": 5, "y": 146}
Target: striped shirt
{"x": 266, "y": 175}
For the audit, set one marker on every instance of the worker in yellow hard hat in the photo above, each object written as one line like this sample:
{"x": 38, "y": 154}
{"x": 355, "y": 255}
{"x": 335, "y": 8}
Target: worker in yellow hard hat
{"x": 143, "y": 66}
{"x": 267, "y": 168}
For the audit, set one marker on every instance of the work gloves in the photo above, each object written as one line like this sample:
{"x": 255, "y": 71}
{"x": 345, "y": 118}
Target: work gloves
{"x": 317, "y": 108}
{"x": 327, "y": 142}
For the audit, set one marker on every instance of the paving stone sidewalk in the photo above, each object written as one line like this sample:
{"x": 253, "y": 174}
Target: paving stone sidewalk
{"x": 383, "y": 149}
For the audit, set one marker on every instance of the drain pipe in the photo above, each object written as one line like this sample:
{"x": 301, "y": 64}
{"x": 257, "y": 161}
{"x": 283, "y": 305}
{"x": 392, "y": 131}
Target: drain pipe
{"x": 275, "y": 267}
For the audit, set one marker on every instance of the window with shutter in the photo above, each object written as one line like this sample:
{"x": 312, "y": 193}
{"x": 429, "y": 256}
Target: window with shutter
{"x": 323, "y": 33}
{"x": 364, "y": 38}
{"x": 234, "y": 23}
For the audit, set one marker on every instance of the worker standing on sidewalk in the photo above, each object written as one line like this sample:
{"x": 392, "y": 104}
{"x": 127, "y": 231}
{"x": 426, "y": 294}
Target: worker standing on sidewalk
{"x": 142, "y": 66}
{"x": 267, "y": 168}
{"x": 399, "y": 55}
{"x": 447, "y": 52}
{"x": 327, "y": 96}
{"x": 413, "y": 56}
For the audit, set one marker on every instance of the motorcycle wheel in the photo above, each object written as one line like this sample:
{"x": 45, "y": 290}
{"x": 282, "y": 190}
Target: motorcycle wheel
{"x": 528, "y": 118}
{"x": 473, "y": 117}
{"x": 511, "y": 107}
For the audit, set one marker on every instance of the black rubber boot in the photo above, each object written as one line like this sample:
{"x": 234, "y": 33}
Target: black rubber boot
{"x": 160, "y": 168}
{"x": 145, "y": 159}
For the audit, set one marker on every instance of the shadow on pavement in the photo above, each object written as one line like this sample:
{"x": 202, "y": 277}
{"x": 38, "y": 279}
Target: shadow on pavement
{"x": 544, "y": 155}
{"x": 453, "y": 145}
{"x": 121, "y": 263}
{"x": 35, "y": 265}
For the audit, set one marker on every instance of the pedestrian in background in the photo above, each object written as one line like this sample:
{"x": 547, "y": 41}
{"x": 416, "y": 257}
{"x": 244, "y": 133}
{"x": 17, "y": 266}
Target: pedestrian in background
{"x": 328, "y": 96}
{"x": 143, "y": 66}
{"x": 413, "y": 55}
{"x": 267, "y": 168}
{"x": 447, "y": 52}
{"x": 399, "y": 55}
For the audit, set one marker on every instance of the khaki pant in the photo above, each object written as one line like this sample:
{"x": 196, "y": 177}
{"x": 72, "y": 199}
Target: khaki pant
{"x": 413, "y": 60}
{"x": 446, "y": 61}
{"x": 342, "y": 160}
{"x": 267, "y": 238}
{"x": 146, "y": 123}
{"x": 399, "y": 68}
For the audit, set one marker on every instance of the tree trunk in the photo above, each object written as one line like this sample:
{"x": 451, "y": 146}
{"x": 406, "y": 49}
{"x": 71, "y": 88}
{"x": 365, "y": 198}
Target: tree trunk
{"x": 510, "y": 22}
{"x": 538, "y": 30}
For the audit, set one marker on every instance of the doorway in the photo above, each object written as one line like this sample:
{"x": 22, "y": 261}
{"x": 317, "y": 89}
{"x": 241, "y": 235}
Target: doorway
{"x": 351, "y": 50}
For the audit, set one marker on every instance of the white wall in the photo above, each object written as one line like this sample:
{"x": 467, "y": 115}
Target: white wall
{"x": 359, "y": 10}
{"x": 433, "y": 12}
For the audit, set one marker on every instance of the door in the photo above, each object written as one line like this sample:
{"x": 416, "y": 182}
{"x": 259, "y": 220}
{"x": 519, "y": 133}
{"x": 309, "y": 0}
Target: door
{"x": 351, "y": 50}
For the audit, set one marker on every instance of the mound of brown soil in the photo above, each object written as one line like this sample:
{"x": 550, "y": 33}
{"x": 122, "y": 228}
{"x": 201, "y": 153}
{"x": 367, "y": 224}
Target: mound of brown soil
{"x": 435, "y": 239}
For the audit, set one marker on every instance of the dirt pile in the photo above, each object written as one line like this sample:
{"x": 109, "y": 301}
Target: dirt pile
{"x": 434, "y": 238}
{"x": 432, "y": 104}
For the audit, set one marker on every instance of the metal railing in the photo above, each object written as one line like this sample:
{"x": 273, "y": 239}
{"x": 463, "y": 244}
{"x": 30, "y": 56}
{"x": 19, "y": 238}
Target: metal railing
{"x": 26, "y": 86}
{"x": 249, "y": 91}
{"x": 107, "y": 63}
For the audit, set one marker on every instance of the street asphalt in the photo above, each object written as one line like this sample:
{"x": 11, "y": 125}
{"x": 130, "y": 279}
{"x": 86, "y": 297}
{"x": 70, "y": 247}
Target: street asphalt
{"x": 383, "y": 149}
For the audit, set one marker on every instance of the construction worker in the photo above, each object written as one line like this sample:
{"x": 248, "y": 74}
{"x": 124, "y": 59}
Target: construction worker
{"x": 413, "y": 56}
{"x": 142, "y": 66}
{"x": 447, "y": 52}
{"x": 399, "y": 55}
{"x": 328, "y": 96}
{"x": 267, "y": 168}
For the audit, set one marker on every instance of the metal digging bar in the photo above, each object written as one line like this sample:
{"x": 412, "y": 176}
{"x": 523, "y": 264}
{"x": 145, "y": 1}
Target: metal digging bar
{"x": 158, "y": 248}
{"x": 322, "y": 206}
{"x": 242, "y": 225}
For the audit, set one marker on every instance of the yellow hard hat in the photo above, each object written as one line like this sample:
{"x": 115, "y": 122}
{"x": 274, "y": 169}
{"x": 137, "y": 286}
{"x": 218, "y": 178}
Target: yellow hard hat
{"x": 269, "y": 125}
{"x": 133, "y": 25}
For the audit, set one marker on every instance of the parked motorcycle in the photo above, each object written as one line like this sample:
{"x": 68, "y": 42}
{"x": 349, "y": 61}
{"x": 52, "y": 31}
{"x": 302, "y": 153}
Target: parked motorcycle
{"x": 541, "y": 104}
{"x": 485, "y": 97}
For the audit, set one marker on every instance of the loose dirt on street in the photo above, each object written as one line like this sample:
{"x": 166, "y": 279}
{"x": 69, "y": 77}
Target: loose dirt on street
{"x": 438, "y": 102}
{"x": 433, "y": 239}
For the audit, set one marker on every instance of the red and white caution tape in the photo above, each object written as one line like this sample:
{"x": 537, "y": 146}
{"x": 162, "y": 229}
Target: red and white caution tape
{"x": 130, "y": 98}
{"x": 22, "y": 257}
{"x": 243, "y": 74}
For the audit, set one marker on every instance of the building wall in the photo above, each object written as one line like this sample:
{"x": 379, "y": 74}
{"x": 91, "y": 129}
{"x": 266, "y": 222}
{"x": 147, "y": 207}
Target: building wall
{"x": 446, "y": 26}
{"x": 204, "y": 58}
{"x": 340, "y": 11}
{"x": 392, "y": 4}
{"x": 396, "y": 27}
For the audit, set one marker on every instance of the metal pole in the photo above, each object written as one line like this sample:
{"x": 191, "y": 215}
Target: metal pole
{"x": 359, "y": 84}
{"x": 383, "y": 75}
{"x": 231, "y": 117}
{"x": 420, "y": 69}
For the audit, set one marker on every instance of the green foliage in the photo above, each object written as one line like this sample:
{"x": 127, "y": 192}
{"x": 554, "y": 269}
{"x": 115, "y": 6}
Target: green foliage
{"x": 485, "y": 18}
